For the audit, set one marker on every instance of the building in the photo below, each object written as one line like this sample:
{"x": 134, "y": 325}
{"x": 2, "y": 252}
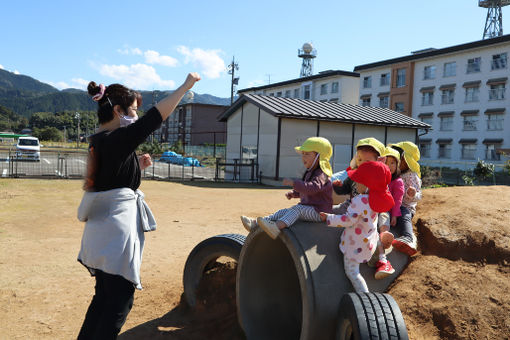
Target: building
{"x": 327, "y": 86}
{"x": 194, "y": 124}
{"x": 267, "y": 128}
{"x": 459, "y": 90}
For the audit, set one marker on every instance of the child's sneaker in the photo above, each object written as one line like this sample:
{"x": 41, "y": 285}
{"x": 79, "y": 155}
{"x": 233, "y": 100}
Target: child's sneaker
{"x": 404, "y": 246}
{"x": 269, "y": 227}
{"x": 383, "y": 270}
{"x": 248, "y": 223}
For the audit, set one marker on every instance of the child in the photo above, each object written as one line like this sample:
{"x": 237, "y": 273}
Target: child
{"x": 314, "y": 190}
{"x": 359, "y": 238}
{"x": 410, "y": 174}
{"x": 386, "y": 219}
{"x": 367, "y": 149}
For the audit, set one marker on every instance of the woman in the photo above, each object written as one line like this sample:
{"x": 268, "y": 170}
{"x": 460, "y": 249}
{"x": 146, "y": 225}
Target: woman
{"x": 113, "y": 208}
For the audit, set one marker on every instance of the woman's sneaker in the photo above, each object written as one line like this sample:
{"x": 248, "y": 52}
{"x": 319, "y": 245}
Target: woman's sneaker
{"x": 404, "y": 246}
{"x": 248, "y": 223}
{"x": 383, "y": 270}
{"x": 269, "y": 227}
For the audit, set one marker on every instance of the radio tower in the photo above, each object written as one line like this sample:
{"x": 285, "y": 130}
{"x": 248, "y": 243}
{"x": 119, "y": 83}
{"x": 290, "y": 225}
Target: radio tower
{"x": 308, "y": 53}
{"x": 494, "y": 22}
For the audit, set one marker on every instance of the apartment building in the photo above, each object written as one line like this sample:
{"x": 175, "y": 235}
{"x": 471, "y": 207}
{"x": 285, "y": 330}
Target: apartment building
{"x": 327, "y": 86}
{"x": 459, "y": 90}
{"x": 194, "y": 124}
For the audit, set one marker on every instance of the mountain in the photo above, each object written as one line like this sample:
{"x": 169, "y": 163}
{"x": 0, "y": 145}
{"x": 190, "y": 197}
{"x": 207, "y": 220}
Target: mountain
{"x": 25, "y": 96}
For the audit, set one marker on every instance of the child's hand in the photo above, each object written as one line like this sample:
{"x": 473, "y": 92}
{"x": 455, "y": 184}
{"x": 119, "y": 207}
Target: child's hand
{"x": 289, "y": 195}
{"x": 288, "y": 181}
{"x": 338, "y": 183}
{"x": 324, "y": 216}
{"x": 191, "y": 79}
{"x": 381, "y": 159}
{"x": 411, "y": 192}
{"x": 393, "y": 221}
{"x": 145, "y": 161}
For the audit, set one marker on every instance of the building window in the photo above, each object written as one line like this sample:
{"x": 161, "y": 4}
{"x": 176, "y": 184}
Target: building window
{"x": 425, "y": 149}
{"x": 449, "y": 69}
{"x": 429, "y": 72}
{"x": 427, "y": 98}
{"x": 384, "y": 101}
{"x": 447, "y": 96}
{"x": 271, "y": 94}
{"x": 307, "y": 92}
{"x": 469, "y": 123}
{"x": 367, "y": 82}
{"x": 249, "y": 152}
{"x": 490, "y": 152}
{"x": 444, "y": 150}
{"x": 365, "y": 101}
{"x": 468, "y": 151}
{"x": 495, "y": 122}
{"x": 426, "y": 120}
{"x": 385, "y": 79}
{"x": 287, "y": 94}
{"x": 473, "y": 65}
{"x": 324, "y": 89}
{"x": 399, "y": 107}
{"x": 333, "y": 100}
{"x": 498, "y": 61}
{"x": 446, "y": 123}
{"x": 296, "y": 93}
{"x": 334, "y": 87}
{"x": 497, "y": 92}
{"x": 401, "y": 77}
{"x": 279, "y": 93}
{"x": 472, "y": 94}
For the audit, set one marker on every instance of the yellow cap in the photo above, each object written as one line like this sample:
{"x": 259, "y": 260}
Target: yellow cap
{"x": 323, "y": 147}
{"x": 374, "y": 143}
{"x": 388, "y": 151}
{"x": 411, "y": 155}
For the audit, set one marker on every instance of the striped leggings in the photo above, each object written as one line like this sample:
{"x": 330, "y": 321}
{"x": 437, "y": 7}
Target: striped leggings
{"x": 289, "y": 216}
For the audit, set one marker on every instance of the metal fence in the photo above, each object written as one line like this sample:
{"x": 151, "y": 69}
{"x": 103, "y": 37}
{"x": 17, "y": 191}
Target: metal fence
{"x": 453, "y": 172}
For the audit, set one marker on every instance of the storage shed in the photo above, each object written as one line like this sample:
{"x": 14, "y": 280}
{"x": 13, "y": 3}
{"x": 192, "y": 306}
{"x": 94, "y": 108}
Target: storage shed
{"x": 266, "y": 129}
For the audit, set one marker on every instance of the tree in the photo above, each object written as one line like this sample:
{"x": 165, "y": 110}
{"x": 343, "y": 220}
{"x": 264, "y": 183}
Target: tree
{"x": 48, "y": 134}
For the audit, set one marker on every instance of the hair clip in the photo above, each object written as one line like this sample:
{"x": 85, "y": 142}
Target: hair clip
{"x": 100, "y": 95}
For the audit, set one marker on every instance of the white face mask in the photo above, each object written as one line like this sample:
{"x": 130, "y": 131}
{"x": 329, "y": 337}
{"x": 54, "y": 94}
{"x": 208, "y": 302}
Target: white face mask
{"x": 127, "y": 120}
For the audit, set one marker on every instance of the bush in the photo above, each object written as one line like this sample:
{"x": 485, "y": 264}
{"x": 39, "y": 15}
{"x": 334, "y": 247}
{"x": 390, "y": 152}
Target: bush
{"x": 153, "y": 148}
{"x": 48, "y": 134}
{"x": 483, "y": 170}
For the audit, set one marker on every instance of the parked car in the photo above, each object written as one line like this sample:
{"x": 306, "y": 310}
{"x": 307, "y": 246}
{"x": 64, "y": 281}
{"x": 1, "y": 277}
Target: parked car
{"x": 28, "y": 148}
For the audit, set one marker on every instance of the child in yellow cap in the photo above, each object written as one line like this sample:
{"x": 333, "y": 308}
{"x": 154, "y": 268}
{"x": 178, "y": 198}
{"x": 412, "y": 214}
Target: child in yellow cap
{"x": 410, "y": 174}
{"x": 367, "y": 150}
{"x": 314, "y": 190}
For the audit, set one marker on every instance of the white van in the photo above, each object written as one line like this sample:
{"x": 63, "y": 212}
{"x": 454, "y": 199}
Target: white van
{"x": 28, "y": 148}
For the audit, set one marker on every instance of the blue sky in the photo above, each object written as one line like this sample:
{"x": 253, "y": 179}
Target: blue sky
{"x": 151, "y": 45}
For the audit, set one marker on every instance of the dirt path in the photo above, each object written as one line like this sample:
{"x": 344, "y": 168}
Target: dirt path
{"x": 45, "y": 291}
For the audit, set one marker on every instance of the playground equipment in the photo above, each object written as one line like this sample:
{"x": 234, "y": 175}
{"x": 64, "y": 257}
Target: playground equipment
{"x": 295, "y": 287}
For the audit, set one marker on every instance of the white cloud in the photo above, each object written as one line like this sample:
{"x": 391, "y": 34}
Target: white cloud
{"x": 15, "y": 72}
{"x": 209, "y": 62}
{"x": 153, "y": 57}
{"x": 256, "y": 83}
{"x": 59, "y": 84}
{"x": 127, "y": 51}
{"x": 137, "y": 76}
{"x": 1, "y": 67}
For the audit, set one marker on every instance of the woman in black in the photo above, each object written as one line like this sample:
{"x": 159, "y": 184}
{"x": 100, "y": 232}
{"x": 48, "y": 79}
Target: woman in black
{"x": 112, "y": 242}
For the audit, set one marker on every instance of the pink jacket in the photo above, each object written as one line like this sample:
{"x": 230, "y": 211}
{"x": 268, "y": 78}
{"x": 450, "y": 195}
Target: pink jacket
{"x": 397, "y": 191}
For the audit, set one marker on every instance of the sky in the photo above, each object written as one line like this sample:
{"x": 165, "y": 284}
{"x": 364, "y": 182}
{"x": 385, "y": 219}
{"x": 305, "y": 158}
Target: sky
{"x": 153, "y": 44}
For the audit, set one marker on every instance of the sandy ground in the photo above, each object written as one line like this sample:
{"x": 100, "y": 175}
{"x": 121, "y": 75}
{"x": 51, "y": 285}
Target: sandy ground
{"x": 444, "y": 292}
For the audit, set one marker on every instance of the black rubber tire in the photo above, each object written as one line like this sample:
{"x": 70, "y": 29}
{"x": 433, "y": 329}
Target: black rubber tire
{"x": 370, "y": 316}
{"x": 204, "y": 255}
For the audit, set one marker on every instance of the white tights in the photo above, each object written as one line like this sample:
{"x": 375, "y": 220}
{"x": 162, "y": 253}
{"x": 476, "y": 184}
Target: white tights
{"x": 351, "y": 268}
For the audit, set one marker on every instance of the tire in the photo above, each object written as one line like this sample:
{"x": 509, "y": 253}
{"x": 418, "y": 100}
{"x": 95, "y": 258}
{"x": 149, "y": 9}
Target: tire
{"x": 370, "y": 316}
{"x": 204, "y": 255}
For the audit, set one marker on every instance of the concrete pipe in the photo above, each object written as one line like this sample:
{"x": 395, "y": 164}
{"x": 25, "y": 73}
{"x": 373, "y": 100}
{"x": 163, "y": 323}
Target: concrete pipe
{"x": 291, "y": 287}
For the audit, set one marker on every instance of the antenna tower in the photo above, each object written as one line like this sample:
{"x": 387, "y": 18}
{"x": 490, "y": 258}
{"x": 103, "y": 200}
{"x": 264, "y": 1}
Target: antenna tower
{"x": 494, "y": 22}
{"x": 307, "y": 53}
{"x": 232, "y": 68}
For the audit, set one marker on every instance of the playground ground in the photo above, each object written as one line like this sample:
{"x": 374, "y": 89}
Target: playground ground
{"x": 455, "y": 288}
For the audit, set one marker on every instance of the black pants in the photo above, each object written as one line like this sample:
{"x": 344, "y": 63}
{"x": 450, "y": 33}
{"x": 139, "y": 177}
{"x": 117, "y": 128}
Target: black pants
{"x": 109, "y": 308}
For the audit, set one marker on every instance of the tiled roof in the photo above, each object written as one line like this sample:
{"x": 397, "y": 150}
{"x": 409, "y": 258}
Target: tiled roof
{"x": 325, "y": 111}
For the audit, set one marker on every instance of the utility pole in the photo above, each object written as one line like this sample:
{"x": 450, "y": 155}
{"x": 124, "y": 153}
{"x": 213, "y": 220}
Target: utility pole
{"x": 231, "y": 70}
{"x": 77, "y": 116}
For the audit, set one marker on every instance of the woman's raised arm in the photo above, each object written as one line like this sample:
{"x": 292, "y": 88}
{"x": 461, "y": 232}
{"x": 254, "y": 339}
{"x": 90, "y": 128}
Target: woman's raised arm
{"x": 168, "y": 104}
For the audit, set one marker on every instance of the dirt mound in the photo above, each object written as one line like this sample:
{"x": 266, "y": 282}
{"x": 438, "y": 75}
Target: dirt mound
{"x": 457, "y": 287}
